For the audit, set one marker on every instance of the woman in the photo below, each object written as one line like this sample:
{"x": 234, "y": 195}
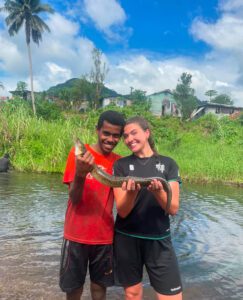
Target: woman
{"x": 142, "y": 229}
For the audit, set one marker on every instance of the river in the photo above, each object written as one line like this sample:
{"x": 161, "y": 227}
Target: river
{"x": 207, "y": 235}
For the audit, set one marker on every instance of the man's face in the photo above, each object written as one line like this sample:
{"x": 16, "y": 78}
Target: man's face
{"x": 108, "y": 137}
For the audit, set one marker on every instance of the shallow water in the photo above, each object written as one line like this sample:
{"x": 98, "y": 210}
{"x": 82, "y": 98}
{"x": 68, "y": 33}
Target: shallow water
{"x": 207, "y": 235}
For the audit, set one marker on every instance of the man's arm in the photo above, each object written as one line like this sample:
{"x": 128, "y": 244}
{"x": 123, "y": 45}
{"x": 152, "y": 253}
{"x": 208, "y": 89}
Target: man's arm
{"x": 84, "y": 165}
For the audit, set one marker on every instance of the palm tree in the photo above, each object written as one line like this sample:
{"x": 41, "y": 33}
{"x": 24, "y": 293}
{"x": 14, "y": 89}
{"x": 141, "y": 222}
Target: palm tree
{"x": 25, "y": 12}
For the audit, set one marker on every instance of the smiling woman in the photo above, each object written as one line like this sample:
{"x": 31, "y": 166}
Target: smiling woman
{"x": 142, "y": 225}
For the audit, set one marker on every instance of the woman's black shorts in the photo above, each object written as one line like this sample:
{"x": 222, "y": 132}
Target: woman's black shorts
{"x": 158, "y": 256}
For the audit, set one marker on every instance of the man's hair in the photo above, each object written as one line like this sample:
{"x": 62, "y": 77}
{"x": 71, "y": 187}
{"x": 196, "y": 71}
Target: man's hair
{"x": 112, "y": 117}
{"x": 6, "y": 155}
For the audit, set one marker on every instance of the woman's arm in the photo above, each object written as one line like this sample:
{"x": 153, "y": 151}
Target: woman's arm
{"x": 160, "y": 194}
{"x": 125, "y": 197}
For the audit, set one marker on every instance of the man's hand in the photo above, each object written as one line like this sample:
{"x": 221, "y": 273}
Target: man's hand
{"x": 84, "y": 164}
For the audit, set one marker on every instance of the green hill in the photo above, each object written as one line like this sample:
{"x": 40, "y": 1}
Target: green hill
{"x": 73, "y": 83}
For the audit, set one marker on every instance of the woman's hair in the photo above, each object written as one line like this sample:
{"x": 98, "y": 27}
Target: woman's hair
{"x": 144, "y": 124}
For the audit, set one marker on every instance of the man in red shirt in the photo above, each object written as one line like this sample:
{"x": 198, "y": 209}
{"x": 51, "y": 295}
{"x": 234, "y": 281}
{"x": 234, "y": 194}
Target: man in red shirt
{"x": 88, "y": 227}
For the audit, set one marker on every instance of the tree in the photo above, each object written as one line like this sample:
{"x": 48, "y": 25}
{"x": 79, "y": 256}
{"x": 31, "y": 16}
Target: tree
{"x": 185, "y": 95}
{"x": 138, "y": 96}
{"x": 210, "y": 94}
{"x": 97, "y": 75}
{"x": 25, "y": 12}
{"x": 22, "y": 89}
{"x": 21, "y": 86}
{"x": 223, "y": 99}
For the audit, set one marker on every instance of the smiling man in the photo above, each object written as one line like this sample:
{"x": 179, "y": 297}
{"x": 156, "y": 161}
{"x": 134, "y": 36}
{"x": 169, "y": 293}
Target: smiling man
{"x": 89, "y": 224}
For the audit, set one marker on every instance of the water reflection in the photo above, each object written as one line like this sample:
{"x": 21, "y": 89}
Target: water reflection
{"x": 207, "y": 234}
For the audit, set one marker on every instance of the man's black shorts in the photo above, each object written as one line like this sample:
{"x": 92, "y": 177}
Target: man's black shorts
{"x": 75, "y": 260}
{"x": 159, "y": 258}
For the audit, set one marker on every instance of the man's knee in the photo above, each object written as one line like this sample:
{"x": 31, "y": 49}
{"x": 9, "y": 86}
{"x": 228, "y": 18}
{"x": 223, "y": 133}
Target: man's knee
{"x": 98, "y": 292}
{"x": 75, "y": 295}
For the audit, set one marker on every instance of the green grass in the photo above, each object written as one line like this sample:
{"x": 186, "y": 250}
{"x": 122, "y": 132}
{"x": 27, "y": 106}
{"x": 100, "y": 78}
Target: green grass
{"x": 206, "y": 150}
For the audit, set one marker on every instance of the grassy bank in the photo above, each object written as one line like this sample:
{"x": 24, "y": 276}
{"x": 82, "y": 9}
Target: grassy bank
{"x": 207, "y": 150}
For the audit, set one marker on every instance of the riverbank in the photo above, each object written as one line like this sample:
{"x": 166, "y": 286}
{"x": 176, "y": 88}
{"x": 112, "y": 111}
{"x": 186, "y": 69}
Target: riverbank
{"x": 207, "y": 150}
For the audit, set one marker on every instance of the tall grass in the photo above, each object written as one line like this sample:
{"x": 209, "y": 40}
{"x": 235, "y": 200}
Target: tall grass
{"x": 208, "y": 149}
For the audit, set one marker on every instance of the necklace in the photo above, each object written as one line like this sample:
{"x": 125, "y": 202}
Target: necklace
{"x": 143, "y": 160}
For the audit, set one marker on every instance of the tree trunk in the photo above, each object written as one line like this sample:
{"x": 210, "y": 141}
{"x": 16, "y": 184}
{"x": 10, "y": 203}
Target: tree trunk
{"x": 31, "y": 79}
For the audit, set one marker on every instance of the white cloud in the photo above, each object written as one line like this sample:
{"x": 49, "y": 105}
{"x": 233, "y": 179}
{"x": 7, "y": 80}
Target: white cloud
{"x": 108, "y": 17}
{"x": 57, "y": 73}
{"x": 140, "y": 72}
{"x": 235, "y": 6}
{"x": 105, "y": 13}
{"x": 64, "y": 54}
{"x": 225, "y": 34}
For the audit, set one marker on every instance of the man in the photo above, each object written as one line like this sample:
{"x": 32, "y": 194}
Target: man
{"x": 4, "y": 163}
{"x": 88, "y": 228}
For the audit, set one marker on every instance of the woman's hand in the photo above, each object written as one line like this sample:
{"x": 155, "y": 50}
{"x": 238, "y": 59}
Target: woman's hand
{"x": 130, "y": 186}
{"x": 155, "y": 186}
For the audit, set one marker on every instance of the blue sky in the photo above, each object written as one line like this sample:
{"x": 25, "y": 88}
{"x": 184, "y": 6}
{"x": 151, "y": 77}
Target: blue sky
{"x": 147, "y": 44}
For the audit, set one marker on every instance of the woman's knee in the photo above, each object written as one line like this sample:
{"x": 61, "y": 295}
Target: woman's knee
{"x": 134, "y": 292}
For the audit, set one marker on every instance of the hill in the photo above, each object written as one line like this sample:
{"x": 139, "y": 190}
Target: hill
{"x": 74, "y": 82}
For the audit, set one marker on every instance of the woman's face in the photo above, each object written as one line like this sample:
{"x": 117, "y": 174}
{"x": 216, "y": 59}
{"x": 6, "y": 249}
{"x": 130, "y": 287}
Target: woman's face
{"x": 135, "y": 137}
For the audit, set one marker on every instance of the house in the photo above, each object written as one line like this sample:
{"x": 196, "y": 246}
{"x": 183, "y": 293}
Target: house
{"x": 219, "y": 110}
{"x": 117, "y": 100}
{"x": 26, "y": 95}
{"x": 4, "y": 98}
{"x": 164, "y": 104}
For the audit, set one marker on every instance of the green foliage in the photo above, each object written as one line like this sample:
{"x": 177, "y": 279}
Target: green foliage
{"x": 185, "y": 95}
{"x": 74, "y": 91}
{"x": 97, "y": 76}
{"x": 48, "y": 110}
{"x": 25, "y": 12}
{"x": 223, "y": 99}
{"x": 21, "y": 86}
{"x": 138, "y": 97}
{"x": 208, "y": 149}
{"x": 210, "y": 94}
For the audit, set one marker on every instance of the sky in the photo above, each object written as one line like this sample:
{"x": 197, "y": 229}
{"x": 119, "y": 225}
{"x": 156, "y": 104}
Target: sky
{"x": 146, "y": 45}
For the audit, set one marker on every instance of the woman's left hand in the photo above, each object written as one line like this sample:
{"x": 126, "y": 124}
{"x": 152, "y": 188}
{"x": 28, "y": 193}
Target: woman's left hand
{"x": 156, "y": 187}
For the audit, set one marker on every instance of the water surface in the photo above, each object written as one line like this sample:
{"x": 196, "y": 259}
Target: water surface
{"x": 207, "y": 235}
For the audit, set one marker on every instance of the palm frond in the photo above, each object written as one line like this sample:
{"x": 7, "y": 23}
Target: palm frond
{"x": 36, "y": 36}
{"x": 42, "y": 8}
{"x": 38, "y": 23}
{"x": 14, "y": 17}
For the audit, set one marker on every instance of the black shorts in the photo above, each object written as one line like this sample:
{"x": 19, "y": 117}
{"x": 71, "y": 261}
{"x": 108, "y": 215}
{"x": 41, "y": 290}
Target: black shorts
{"x": 159, "y": 258}
{"x": 75, "y": 259}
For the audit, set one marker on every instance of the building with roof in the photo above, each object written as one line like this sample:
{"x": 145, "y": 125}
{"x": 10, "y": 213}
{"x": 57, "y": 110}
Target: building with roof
{"x": 219, "y": 110}
{"x": 164, "y": 104}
